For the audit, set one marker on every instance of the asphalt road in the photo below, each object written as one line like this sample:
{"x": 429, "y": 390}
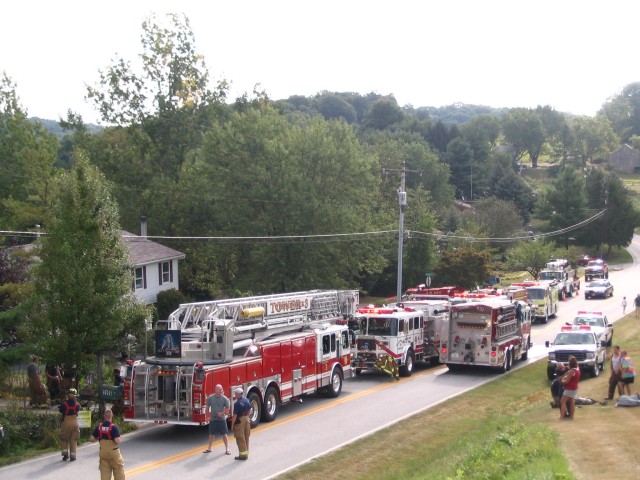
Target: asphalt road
{"x": 318, "y": 425}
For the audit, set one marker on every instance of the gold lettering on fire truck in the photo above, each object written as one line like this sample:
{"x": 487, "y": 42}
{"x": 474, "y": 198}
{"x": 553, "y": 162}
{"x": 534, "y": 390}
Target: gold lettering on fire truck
{"x": 290, "y": 305}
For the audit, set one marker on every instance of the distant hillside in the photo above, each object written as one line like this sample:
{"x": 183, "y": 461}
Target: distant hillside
{"x": 54, "y": 127}
{"x": 458, "y": 113}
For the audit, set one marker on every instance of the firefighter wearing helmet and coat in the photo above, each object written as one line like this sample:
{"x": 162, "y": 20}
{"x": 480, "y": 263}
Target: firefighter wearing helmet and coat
{"x": 70, "y": 429}
{"x": 111, "y": 461}
{"x": 387, "y": 364}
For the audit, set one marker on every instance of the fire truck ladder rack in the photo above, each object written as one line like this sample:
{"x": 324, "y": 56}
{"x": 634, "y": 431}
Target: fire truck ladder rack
{"x": 252, "y": 318}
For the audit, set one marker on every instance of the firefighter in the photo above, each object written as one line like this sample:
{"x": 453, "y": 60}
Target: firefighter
{"x": 388, "y": 365}
{"x": 70, "y": 429}
{"x": 241, "y": 424}
{"x": 111, "y": 461}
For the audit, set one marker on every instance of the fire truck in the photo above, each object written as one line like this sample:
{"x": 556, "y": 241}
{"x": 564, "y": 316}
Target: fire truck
{"x": 394, "y": 330}
{"x": 542, "y": 297}
{"x": 275, "y": 347}
{"x": 492, "y": 333}
{"x": 559, "y": 274}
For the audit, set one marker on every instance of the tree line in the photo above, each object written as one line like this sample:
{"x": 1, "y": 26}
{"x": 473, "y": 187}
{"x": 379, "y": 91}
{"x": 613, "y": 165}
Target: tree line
{"x": 273, "y": 196}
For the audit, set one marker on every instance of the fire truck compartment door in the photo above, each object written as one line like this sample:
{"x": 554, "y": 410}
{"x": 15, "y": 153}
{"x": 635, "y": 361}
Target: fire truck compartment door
{"x": 297, "y": 382}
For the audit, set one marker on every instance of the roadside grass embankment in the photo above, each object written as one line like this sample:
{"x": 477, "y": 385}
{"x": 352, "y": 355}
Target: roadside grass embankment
{"x": 505, "y": 429}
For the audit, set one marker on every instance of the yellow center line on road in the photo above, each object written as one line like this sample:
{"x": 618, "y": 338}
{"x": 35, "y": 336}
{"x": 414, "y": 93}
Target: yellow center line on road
{"x": 264, "y": 427}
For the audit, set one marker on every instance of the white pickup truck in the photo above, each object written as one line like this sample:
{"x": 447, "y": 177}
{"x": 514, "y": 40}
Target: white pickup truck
{"x": 598, "y": 322}
{"x": 581, "y": 342}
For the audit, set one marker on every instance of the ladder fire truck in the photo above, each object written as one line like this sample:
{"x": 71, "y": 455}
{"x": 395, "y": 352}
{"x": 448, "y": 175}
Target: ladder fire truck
{"x": 275, "y": 347}
{"x": 492, "y": 333}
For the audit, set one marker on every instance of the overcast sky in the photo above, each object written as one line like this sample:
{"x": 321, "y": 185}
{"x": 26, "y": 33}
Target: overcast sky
{"x": 569, "y": 54}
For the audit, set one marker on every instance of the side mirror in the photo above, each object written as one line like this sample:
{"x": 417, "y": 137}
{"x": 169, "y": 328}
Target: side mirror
{"x": 547, "y": 343}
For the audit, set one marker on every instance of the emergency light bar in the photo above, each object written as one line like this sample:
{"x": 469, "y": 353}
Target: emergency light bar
{"x": 573, "y": 328}
{"x": 376, "y": 310}
{"x": 586, "y": 312}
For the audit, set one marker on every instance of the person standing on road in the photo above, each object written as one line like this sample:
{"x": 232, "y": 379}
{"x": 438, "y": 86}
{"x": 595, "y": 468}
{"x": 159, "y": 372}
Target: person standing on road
{"x": 70, "y": 429}
{"x": 570, "y": 381}
{"x": 628, "y": 373}
{"x": 219, "y": 405}
{"x": 111, "y": 461}
{"x": 624, "y": 305}
{"x": 637, "y": 304}
{"x": 241, "y": 424}
{"x": 615, "y": 375}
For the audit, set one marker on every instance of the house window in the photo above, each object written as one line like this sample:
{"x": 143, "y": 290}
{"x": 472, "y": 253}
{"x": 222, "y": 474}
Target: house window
{"x": 165, "y": 272}
{"x": 140, "y": 277}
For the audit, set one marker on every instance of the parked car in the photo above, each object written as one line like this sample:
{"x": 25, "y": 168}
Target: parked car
{"x": 598, "y": 288}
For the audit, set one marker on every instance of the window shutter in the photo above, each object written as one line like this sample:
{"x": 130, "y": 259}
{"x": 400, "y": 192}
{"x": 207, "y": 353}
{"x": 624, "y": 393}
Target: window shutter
{"x": 144, "y": 275}
{"x": 160, "y": 274}
{"x": 171, "y": 271}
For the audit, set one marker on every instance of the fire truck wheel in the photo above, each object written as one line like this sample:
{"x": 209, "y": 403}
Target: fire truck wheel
{"x": 271, "y": 404}
{"x": 407, "y": 369}
{"x": 524, "y": 355}
{"x": 256, "y": 409}
{"x": 335, "y": 387}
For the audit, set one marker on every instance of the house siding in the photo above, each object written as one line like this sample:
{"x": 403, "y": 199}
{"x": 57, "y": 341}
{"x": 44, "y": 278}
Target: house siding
{"x": 149, "y": 294}
{"x": 150, "y": 256}
{"x": 625, "y": 159}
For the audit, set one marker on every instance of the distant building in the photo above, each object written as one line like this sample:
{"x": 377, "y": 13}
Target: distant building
{"x": 155, "y": 267}
{"x": 625, "y": 159}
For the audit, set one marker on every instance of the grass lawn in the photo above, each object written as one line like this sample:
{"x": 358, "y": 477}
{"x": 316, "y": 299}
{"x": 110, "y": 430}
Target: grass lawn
{"x": 502, "y": 430}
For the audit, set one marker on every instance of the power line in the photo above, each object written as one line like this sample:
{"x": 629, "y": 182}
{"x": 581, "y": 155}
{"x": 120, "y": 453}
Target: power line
{"x": 329, "y": 236}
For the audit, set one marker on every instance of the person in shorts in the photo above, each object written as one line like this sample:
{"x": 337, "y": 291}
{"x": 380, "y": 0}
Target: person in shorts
{"x": 219, "y": 405}
{"x": 570, "y": 381}
{"x": 628, "y": 373}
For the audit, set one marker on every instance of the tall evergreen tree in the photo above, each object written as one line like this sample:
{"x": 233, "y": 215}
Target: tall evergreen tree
{"x": 84, "y": 302}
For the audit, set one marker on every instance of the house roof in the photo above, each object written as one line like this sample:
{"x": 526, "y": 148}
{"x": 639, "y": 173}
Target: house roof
{"x": 143, "y": 251}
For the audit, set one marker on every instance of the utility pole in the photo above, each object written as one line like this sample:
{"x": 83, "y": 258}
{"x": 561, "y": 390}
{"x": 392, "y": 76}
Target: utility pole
{"x": 402, "y": 199}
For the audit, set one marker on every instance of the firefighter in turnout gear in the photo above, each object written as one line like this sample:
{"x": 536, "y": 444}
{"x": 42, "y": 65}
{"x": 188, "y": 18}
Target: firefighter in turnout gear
{"x": 111, "y": 460}
{"x": 70, "y": 429}
{"x": 241, "y": 424}
{"x": 388, "y": 365}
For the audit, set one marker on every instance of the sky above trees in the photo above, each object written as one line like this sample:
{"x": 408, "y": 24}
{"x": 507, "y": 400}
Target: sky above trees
{"x": 570, "y": 55}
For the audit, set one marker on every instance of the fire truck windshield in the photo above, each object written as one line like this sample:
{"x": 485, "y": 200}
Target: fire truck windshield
{"x": 550, "y": 276}
{"x": 382, "y": 326}
{"x": 535, "y": 293}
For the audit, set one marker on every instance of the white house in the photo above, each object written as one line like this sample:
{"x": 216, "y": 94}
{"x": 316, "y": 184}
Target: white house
{"x": 155, "y": 266}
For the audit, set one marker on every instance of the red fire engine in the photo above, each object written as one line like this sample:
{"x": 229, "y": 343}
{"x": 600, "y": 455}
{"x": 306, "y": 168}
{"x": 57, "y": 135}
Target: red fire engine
{"x": 491, "y": 332}
{"x": 275, "y": 347}
{"x": 406, "y": 333}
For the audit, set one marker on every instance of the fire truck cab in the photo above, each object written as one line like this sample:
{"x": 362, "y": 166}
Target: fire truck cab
{"x": 391, "y": 330}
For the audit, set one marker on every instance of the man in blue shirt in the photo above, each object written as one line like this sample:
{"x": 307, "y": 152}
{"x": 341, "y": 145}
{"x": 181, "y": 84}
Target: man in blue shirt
{"x": 241, "y": 424}
{"x": 111, "y": 461}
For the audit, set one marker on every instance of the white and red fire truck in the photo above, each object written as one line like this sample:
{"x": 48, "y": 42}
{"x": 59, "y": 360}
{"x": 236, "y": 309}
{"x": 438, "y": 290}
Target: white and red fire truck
{"x": 397, "y": 330}
{"x": 492, "y": 333}
{"x": 275, "y": 347}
